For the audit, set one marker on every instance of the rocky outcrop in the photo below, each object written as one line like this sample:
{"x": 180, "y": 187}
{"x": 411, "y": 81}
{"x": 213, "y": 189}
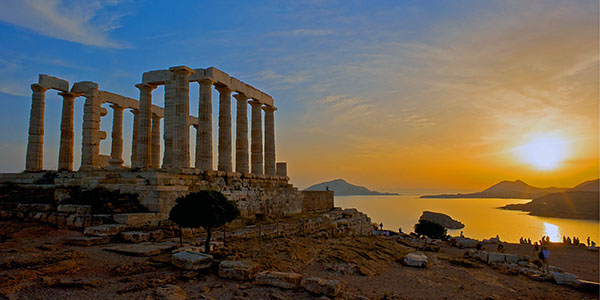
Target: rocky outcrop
{"x": 415, "y": 259}
{"x": 321, "y": 286}
{"x": 441, "y": 219}
{"x": 240, "y": 270}
{"x": 191, "y": 260}
{"x": 279, "y": 279}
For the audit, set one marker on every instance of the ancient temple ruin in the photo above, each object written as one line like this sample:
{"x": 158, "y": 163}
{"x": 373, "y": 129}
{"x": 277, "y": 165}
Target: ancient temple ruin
{"x": 258, "y": 183}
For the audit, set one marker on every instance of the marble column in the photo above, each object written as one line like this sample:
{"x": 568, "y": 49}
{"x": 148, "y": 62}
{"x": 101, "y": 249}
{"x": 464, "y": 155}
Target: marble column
{"x": 116, "y": 151}
{"x": 134, "y": 139}
{"x": 256, "y": 145}
{"x": 224, "y": 160}
{"x": 181, "y": 126}
{"x": 168, "y": 124}
{"x": 34, "y": 161}
{"x": 241, "y": 134}
{"x": 144, "y": 136}
{"x": 65, "y": 152}
{"x": 90, "y": 144}
{"x": 204, "y": 132}
{"x": 155, "y": 161}
{"x": 269, "y": 140}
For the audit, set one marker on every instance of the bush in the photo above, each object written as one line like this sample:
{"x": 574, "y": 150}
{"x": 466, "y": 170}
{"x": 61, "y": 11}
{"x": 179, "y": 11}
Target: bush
{"x": 206, "y": 209}
{"x": 430, "y": 229}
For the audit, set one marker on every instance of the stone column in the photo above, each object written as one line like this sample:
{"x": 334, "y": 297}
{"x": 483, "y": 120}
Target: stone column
{"x": 241, "y": 134}
{"x": 90, "y": 145}
{"x": 116, "y": 151}
{"x": 144, "y": 136}
{"x": 34, "y": 161}
{"x": 224, "y": 129}
{"x": 134, "y": 138}
{"x": 65, "y": 152}
{"x": 168, "y": 124}
{"x": 181, "y": 127}
{"x": 256, "y": 146}
{"x": 269, "y": 140}
{"x": 204, "y": 132}
{"x": 155, "y": 161}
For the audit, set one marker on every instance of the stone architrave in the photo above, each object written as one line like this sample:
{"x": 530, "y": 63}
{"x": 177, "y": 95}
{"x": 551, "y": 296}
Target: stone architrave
{"x": 224, "y": 159}
{"x": 241, "y": 134}
{"x": 204, "y": 132}
{"x": 92, "y": 110}
{"x": 116, "y": 151}
{"x": 256, "y": 145}
{"x": 134, "y": 138}
{"x": 34, "y": 160}
{"x": 144, "y": 133}
{"x": 181, "y": 127}
{"x": 65, "y": 152}
{"x": 155, "y": 161}
{"x": 269, "y": 140}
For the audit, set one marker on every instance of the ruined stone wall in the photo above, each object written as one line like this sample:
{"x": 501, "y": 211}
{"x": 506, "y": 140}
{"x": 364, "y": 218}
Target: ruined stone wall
{"x": 317, "y": 201}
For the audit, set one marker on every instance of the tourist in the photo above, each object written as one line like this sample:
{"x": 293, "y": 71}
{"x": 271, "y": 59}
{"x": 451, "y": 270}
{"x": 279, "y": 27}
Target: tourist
{"x": 462, "y": 235}
{"x": 569, "y": 240}
{"x": 545, "y": 256}
{"x": 588, "y": 241}
{"x": 564, "y": 239}
{"x": 381, "y": 225}
{"x": 479, "y": 245}
{"x": 529, "y": 241}
{"x": 536, "y": 248}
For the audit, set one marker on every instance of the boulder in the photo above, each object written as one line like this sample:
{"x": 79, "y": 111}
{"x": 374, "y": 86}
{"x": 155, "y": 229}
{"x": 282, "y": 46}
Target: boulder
{"x": 135, "y": 236}
{"x": 191, "y": 260}
{"x": 104, "y": 230}
{"x": 279, "y": 279}
{"x": 511, "y": 258}
{"x": 565, "y": 279}
{"x": 238, "y": 269}
{"x": 483, "y": 256}
{"x": 321, "y": 286}
{"x": 441, "y": 219}
{"x": 465, "y": 243}
{"x": 415, "y": 259}
{"x": 495, "y": 258}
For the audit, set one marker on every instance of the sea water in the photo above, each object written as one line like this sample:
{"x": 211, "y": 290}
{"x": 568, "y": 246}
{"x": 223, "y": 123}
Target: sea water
{"x": 481, "y": 217}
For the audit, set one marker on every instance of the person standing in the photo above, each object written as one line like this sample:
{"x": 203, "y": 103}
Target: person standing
{"x": 545, "y": 256}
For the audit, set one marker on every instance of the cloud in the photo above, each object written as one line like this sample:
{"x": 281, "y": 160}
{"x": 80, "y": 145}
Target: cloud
{"x": 304, "y": 32}
{"x": 75, "y": 21}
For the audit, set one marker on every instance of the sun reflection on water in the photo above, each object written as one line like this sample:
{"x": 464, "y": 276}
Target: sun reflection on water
{"x": 552, "y": 231}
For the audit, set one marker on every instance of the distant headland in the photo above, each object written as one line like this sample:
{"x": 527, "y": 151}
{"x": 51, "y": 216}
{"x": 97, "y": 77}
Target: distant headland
{"x": 505, "y": 189}
{"x": 341, "y": 187}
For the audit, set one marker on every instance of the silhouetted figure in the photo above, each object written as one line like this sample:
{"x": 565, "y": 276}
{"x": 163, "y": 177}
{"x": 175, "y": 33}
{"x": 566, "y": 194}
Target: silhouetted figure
{"x": 529, "y": 241}
{"x": 327, "y": 188}
{"x": 588, "y": 241}
{"x": 569, "y": 240}
{"x": 536, "y": 248}
{"x": 381, "y": 225}
{"x": 545, "y": 256}
{"x": 462, "y": 235}
{"x": 479, "y": 245}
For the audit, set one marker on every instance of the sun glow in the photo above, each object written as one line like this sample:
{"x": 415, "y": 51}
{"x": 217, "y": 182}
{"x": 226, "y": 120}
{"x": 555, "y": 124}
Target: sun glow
{"x": 543, "y": 152}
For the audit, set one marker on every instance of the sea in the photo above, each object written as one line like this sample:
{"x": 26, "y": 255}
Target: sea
{"x": 481, "y": 217}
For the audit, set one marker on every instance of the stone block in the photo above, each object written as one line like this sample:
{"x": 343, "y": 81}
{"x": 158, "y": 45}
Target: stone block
{"x": 52, "y": 82}
{"x": 104, "y": 230}
{"x": 135, "y": 236}
{"x": 495, "y": 258}
{"x": 157, "y": 77}
{"x": 321, "y": 286}
{"x": 87, "y": 240}
{"x": 279, "y": 279}
{"x": 217, "y": 75}
{"x": 191, "y": 260}
{"x": 415, "y": 259}
{"x": 483, "y": 256}
{"x": 565, "y": 279}
{"x": 240, "y": 270}
{"x": 84, "y": 87}
{"x": 511, "y": 258}
{"x": 142, "y": 249}
{"x": 74, "y": 209}
{"x": 281, "y": 169}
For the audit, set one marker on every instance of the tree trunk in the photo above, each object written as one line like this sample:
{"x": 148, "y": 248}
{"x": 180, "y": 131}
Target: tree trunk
{"x": 180, "y": 236}
{"x": 207, "y": 241}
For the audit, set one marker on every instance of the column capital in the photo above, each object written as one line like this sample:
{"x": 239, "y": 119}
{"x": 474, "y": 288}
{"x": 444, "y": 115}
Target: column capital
{"x": 117, "y": 107}
{"x": 68, "y": 95}
{"x": 240, "y": 97}
{"x": 205, "y": 81}
{"x": 38, "y": 88}
{"x": 269, "y": 108}
{"x": 133, "y": 110}
{"x": 223, "y": 89}
{"x": 156, "y": 117}
{"x": 182, "y": 70}
{"x": 146, "y": 86}
{"x": 255, "y": 103}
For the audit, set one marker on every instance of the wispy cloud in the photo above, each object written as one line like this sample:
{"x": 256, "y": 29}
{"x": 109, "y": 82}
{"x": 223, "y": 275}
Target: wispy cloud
{"x": 75, "y": 21}
{"x": 304, "y": 32}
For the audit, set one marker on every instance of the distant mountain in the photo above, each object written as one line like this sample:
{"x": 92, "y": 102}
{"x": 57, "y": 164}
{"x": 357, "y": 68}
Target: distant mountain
{"x": 505, "y": 189}
{"x": 342, "y": 188}
{"x": 592, "y": 185}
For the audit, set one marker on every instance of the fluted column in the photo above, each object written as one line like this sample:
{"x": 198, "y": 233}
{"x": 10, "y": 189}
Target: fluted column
{"x": 134, "y": 138}
{"x": 269, "y": 140}
{"x": 224, "y": 129}
{"x": 116, "y": 151}
{"x": 144, "y": 137}
{"x": 65, "y": 152}
{"x": 241, "y": 134}
{"x": 155, "y": 161}
{"x": 204, "y": 132}
{"x": 90, "y": 141}
{"x": 168, "y": 124}
{"x": 256, "y": 146}
{"x": 34, "y": 161}
{"x": 181, "y": 126}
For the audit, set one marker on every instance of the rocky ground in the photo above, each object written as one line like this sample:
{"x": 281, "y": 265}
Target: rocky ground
{"x": 36, "y": 264}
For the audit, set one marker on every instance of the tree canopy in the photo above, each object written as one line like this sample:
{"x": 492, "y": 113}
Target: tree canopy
{"x": 430, "y": 229}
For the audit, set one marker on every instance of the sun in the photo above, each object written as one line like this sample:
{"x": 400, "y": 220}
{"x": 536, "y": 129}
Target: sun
{"x": 543, "y": 152}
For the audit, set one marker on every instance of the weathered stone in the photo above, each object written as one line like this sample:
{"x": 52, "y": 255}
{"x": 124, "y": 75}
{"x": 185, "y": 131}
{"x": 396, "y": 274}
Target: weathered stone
{"x": 104, "y": 230}
{"x": 135, "y": 236}
{"x": 51, "y": 82}
{"x": 142, "y": 249}
{"x": 279, "y": 279}
{"x": 88, "y": 240}
{"x": 74, "y": 208}
{"x": 565, "y": 279}
{"x": 169, "y": 292}
{"x": 495, "y": 258}
{"x": 511, "y": 258}
{"x": 240, "y": 270}
{"x": 191, "y": 260}
{"x": 483, "y": 256}
{"x": 321, "y": 286}
{"x": 415, "y": 259}
{"x": 465, "y": 243}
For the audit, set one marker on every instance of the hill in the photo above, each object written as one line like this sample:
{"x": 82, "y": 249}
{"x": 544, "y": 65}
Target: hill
{"x": 505, "y": 189}
{"x": 572, "y": 204}
{"x": 340, "y": 187}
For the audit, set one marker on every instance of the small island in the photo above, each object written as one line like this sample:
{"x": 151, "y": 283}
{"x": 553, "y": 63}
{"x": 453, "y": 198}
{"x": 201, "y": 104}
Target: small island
{"x": 441, "y": 219}
{"x": 341, "y": 187}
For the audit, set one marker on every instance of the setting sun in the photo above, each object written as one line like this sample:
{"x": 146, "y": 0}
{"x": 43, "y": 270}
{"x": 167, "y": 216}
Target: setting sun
{"x": 543, "y": 152}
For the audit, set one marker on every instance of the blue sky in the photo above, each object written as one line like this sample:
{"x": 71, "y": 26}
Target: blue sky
{"x": 360, "y": 81}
